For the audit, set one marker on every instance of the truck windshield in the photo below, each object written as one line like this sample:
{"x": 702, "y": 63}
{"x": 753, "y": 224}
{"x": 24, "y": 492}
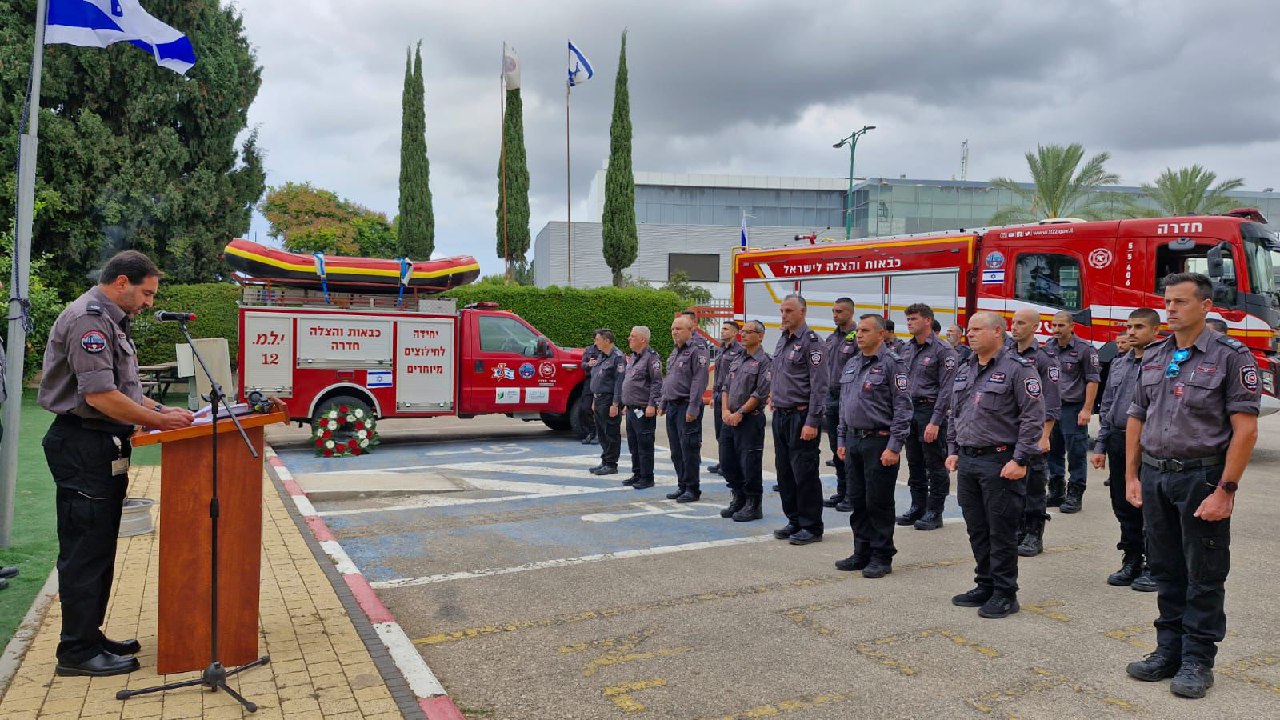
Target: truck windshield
{"x": 1261, "y": 256}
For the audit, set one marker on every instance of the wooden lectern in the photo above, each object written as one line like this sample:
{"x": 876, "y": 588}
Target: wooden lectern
{"x": 186, "y": 460}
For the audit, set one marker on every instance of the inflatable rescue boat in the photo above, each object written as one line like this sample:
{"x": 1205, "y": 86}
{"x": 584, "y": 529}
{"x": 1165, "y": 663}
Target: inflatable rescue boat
{"x": 348, "y": 274}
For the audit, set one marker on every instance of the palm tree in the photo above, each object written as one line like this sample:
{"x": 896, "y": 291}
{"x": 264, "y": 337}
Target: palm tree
{"x": 1188, "y": 191}
{"x": 1062, "y": 187}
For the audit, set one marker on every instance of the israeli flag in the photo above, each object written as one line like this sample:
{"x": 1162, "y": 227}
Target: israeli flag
{"x": 579, "y": 67}
{"x": 99, "y": 23}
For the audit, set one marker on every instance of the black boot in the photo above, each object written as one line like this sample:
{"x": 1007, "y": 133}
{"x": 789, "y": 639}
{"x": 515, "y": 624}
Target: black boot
{"x": 1144, "y": 582}
{"x": 1032, "y": 543}
{"x": 1074, "y": 501}
{"x": 750, "y": 511}
{"x": 739, "y": 499}
{"x": 1130, "y": 569}
{"x": 916, "y": 511}
{"x": 1057, "y": 492}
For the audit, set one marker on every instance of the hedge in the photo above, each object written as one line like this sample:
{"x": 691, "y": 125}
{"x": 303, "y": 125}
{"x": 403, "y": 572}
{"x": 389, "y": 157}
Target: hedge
{"x": 568, "y": 316}
{"x": 216, "y": 309}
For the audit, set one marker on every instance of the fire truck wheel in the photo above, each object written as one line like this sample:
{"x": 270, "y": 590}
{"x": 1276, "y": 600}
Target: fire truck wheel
{"x": 352, "y": 403}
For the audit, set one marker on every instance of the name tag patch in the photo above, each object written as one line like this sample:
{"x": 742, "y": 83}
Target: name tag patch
{"x": 997, "y": 378}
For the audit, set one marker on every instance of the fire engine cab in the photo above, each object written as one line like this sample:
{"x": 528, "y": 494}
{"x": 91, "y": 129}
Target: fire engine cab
{"x": 1097, "y": 271}
{"x": 393, "y": 360}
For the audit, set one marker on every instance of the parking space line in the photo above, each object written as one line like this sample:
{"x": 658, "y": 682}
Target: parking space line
{"x": 436, "y": 501}
{"x": 1045, "y": 608}
{"x": 781, "y": 707}
{"x": 620, "y": 651}
{"x": 1240, "y": 670}
{"x": 621, "y": 695}
{"x": 1129, "y": 634}
{"x": 1042, "y": 681}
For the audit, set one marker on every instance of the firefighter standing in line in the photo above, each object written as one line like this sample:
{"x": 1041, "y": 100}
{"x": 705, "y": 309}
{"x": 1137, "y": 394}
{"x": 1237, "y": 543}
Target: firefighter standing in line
{"x": 606, "y": 401}
{"x": 590, "y": 356}
{"x": 798, "y": 394}
{"x": 931, "y": 369}
{"x": 1191, "y": 429}
{"x": 641, "y": 396}
{"x": 1023, "y": 327}
{"x": 1080, "y": 373}
{"x": 91, "y": 384}
{"x": 730, "y": 350}
{"x": 682, "y": 402}
{"x": 841, "y": 345}
{"x": 1122, "y": 383}
{"x": 875, "y": 419}
{"x": 997, "y": 419}
{"x": 742, "y": 437}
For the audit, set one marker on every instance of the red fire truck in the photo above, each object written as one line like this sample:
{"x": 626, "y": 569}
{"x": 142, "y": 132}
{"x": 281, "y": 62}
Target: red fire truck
{"x": 421, "y": 359}
{"x": 1098, "y": 271}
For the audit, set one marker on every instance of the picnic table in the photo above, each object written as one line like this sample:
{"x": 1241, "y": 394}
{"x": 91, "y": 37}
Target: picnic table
{"x": 156, "y": 379}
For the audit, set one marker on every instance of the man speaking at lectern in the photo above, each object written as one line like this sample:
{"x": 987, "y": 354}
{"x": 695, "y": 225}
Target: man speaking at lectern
{"x": 91, "y": 383}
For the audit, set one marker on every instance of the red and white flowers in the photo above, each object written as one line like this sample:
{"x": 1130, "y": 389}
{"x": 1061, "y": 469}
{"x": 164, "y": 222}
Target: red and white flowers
{"x": 344, "y": 431}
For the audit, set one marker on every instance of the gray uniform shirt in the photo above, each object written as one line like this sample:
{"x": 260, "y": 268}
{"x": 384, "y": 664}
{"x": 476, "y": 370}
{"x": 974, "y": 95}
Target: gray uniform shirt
{"x": 89, "y": 351}
{"x": 749, "y": 377}
{"x": 642, "y": 385}
{"x": 728, "y": 355}
{"x": 1079, "y": 366}
{"x": 800, "y": 375}
{"x": 931, "y": 369}
{"x": 607, "y": 375}
{"x": 999, "y": 404}
{"x": 873, "y": 396}
{"x": 1122, "y": 383}
{"x": 840, "y": 347}
{"x": 686, "y": 373}
{"x": 1050, "y": 374}
{"x": 1190, "y": 416}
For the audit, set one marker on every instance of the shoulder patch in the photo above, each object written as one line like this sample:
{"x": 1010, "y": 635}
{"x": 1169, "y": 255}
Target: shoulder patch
{"x": 1032, "y": 385}
{"x": 1249, "y": 378}
{"x": 1233, "y": 343}
{"x": 815, "y": 358}
{"x": 93, "y": 309}
{"x": 901, "y": 380}
{"x": 93, "y": 341}
{"x": 949, "y": 363}
{"x": 1054, "y": 373}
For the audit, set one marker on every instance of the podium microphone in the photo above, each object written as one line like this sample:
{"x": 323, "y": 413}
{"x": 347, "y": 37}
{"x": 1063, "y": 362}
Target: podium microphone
{"x": 163, "y": 316}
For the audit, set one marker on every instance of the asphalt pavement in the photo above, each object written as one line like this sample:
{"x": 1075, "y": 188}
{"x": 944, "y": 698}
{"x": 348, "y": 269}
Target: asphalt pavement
{"x": 534, "y": 589}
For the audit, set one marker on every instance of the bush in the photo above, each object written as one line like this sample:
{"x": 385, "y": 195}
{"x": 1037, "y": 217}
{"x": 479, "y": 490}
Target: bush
{"x": 568, "y": 316}
{"x": 45, "y": 304}
{"x": 215, "y": 306}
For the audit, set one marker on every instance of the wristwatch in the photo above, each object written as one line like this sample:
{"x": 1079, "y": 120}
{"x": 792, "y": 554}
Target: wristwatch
{"x": 158, "y": 407}
{"x": 1229, "y": 487}
{"x": 1022, "y": 462}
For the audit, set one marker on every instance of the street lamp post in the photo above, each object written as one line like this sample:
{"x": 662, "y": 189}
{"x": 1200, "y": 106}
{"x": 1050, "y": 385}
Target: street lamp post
{"x": 852, "y": 142}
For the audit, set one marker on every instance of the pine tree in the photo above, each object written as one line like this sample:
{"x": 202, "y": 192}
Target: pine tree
{"x": 513, "y": 191}
{"x": 417, "y": 227}
{"x": 619, "y": 221}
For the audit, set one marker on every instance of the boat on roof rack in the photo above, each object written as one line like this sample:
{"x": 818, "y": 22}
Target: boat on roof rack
{"x": 259, "y": 264}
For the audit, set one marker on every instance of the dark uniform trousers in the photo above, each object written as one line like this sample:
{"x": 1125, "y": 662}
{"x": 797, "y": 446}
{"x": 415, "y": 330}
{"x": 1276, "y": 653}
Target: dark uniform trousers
{"x": 992, "y": 507}
{"x": 640, "y": 432}
{"x": 685, "y": 439}
{"x": 1129, "y": 516}
{"x": 927, "y": 474}
{"x": 742, "y": 454}
{"x": 831, "y": 422}
{"x": 608, "y": 430}
{"x": 1037, "y": 502}
{"x": 1068, "y": 446}
{"x": 89, "y": 504}
{"x": 1189, "y": 560}
{"x": 871, "y": 487}
{"x": 587, "y": 415}
{"x": 796, "y": 462}
{"x": 717, "y": 424}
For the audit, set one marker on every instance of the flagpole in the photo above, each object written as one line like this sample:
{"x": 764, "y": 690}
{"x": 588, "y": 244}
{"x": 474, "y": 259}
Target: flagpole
{"x": 502, "y": 156}
{"x": 27, "y": 146}
{"x": 568, "y": 184}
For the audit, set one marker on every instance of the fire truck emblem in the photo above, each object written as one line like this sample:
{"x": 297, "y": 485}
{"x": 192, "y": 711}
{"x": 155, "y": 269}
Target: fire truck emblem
{"x": 526, "y": 371}
{"x": 995, "y": 260}
{"x": 547, "y": 370}
{"x": 502, "y": 372}
{"x": 1100, "y": 258}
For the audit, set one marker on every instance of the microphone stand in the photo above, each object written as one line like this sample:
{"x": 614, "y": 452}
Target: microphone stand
{"x": 215, "y": 675}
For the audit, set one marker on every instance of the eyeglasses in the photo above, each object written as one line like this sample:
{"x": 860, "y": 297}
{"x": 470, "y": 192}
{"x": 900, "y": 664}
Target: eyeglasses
{"x": 1175, "y": 367}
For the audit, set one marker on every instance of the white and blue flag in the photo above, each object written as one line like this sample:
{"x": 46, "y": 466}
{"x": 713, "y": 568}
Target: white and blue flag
{"x": 99, "y": 23}
{"x": 579, "y": 67}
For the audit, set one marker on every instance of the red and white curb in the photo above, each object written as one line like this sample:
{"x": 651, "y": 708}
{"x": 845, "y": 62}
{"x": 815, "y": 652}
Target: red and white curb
{"x": 430, "y": 693}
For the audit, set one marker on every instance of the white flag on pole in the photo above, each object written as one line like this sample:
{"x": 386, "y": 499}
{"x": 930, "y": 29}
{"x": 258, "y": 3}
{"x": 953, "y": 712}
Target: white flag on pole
{"x": 510, "y": 67}
{"x": 580, "y": 69}
{"x": 99, "y": 23}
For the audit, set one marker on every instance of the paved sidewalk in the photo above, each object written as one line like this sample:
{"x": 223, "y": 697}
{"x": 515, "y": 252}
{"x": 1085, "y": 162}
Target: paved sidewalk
{"x": 301, "y": 615}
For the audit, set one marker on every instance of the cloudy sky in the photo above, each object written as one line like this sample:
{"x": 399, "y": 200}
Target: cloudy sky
{"x": 763, "y": 88}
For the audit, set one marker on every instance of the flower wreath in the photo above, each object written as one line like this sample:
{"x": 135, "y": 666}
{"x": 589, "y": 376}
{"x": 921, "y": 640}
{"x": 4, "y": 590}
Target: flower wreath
{"x": 344, "y": 432}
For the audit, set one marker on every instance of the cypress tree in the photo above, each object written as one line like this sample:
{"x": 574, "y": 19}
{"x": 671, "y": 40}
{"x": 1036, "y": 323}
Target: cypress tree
{"x": 619, "y": 221}
{"x": 514, "y": 189}
{"x": 416, "y": 221}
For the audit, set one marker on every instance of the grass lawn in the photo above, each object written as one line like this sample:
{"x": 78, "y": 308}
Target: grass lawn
{"x": 35, "y": 539}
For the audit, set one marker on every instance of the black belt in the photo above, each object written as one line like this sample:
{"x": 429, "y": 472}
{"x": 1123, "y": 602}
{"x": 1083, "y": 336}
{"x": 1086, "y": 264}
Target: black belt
{"x": 925, "y": 401}
{"x": 877, "y": 432}
{"x": 791, "y": 410}
{"x": 602, "y": 394}
{"x": 968, "y": 451}
{"x": 106, "y": 426}
{"x": 1173, "y": 465}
